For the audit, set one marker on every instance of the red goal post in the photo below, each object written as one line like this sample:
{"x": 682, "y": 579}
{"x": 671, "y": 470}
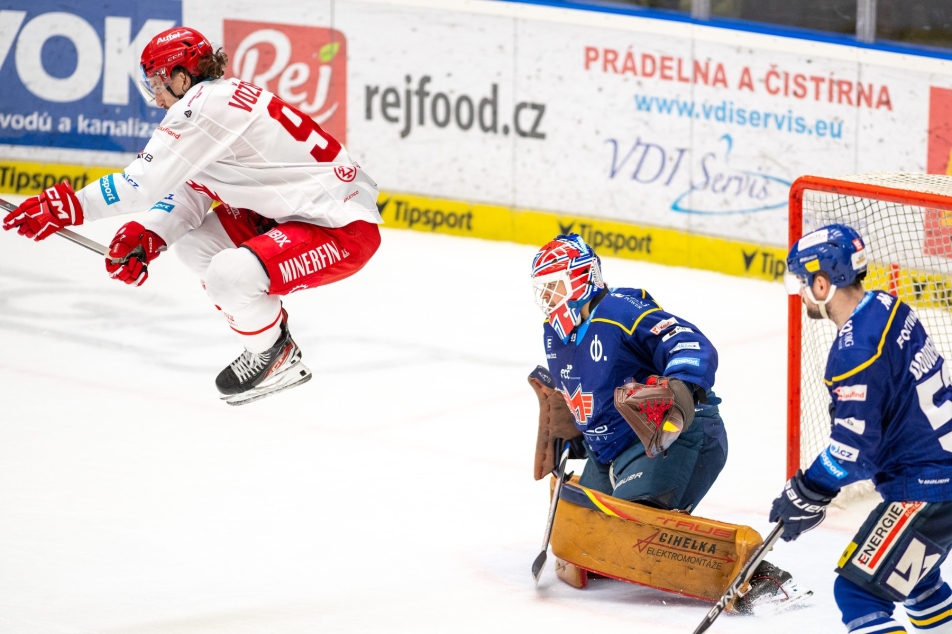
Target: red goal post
{"x": 906, "y": 221}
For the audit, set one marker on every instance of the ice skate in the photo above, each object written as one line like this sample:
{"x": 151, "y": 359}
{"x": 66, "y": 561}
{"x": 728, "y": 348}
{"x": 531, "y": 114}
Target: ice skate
{"x": 772, "y": 590}
{"x": 254, "y": 376}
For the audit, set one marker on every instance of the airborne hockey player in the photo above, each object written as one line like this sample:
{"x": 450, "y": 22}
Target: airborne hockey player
{"x": 296, "y": 210}
{"x": 637, "y": 381}
{"x": 892, "y": 422}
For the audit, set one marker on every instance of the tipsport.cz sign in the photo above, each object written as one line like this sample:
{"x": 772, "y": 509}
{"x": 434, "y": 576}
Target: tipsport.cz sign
{"x": 68, "y": 70}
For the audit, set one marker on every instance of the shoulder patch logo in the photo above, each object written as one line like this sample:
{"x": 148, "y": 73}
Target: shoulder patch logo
{"x": 851, "y": 392}
{"x": 661, "y": 326}
{"x": 844, "y": 452}
{"x": 854, "y": 425}
{"x": 677, "y": 331}
{"x": 687, "y": 345}
{"x": 346, "y": 173}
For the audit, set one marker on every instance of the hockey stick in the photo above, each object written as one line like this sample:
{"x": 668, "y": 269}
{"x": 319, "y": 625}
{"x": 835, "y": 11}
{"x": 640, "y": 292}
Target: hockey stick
{"x": 66, "y": 233}
{"x": 539, "y": 562}
{"x": 742, "y": 577}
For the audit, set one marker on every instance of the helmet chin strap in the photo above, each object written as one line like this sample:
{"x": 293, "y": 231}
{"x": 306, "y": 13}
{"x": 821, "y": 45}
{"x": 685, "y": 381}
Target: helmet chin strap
{"x": 821, "y": 305}
{"x": 172, "y": 92}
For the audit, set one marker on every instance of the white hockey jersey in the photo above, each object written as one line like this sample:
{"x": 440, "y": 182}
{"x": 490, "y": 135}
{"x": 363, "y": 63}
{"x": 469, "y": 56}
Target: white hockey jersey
{"x": 230, "y": 141}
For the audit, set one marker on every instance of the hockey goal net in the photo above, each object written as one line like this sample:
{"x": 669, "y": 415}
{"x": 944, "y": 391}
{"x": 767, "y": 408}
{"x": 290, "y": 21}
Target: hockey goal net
{"x": 906, "y": 222}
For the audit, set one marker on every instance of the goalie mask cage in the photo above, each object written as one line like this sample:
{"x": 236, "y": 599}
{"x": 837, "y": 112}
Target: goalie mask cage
{"x": 906, "y": 222}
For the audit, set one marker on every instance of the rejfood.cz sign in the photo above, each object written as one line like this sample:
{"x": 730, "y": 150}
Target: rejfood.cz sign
{"x": 68, "y": 69}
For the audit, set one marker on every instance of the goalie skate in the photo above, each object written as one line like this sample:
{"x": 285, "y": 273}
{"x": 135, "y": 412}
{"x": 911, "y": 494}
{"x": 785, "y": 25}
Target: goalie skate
{"x": 253, "y": 376}
{"x": 772, "y": 591}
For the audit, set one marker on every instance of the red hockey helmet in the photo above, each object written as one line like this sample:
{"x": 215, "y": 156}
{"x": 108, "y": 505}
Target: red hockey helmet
{"x": 180, "y": 46}
{"x": 566, "y": 274}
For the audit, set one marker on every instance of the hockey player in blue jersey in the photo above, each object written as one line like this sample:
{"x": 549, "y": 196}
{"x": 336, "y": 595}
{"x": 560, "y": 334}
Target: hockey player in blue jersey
{"x": 892, "y": 423}
{"x": 596, "y": 339}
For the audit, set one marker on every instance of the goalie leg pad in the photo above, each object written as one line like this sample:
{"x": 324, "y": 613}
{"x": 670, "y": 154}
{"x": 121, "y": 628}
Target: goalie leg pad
{"x": 667, "y": 550}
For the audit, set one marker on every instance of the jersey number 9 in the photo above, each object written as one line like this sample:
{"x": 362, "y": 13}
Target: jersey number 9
{"x": 325, "y": 150}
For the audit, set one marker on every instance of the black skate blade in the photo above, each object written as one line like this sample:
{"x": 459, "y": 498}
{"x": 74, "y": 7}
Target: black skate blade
{"x": 298, "y": 374}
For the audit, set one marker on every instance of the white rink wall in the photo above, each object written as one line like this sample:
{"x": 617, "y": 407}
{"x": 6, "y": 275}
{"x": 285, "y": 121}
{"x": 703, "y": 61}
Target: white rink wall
{"x": 645, "y": 121}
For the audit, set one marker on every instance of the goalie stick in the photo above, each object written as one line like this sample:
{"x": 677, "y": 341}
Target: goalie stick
{"x": 66, "y": 233}
{"x": 539, "y": 562}
{"x": 743, "y": 577}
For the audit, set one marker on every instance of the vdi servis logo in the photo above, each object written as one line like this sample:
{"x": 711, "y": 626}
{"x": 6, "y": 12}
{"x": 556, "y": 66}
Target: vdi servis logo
{"x": 715, "y": 185}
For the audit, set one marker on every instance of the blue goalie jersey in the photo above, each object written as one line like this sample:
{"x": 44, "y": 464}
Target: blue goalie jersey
{"x": 626, "y": 336}
{"x": 892, "y": 406}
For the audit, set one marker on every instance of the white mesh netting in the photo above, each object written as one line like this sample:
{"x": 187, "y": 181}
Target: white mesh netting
{"x": 909, "y": 249}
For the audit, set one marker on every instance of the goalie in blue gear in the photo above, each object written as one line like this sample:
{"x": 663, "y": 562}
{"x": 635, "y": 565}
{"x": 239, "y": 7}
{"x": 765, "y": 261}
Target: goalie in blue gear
{"x": 629, "y": 384}
{"x": 892, "y": 423}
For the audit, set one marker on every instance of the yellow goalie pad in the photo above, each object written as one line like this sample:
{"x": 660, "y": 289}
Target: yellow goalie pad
{"x": 671, "y": 551}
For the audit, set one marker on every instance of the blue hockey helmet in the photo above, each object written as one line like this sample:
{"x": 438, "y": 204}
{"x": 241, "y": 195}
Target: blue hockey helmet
{"x": 836, "y": 250}
{"x": 566, "y": 273}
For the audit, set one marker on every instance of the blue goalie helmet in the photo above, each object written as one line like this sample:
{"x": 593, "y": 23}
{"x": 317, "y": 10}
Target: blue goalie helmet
{"x": 836, "y": 250}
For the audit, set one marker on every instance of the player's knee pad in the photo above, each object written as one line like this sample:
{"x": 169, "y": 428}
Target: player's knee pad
{"x": 860, "y": 608}
{"x": 197, "y": 247}
{"x": 235, "y": 278}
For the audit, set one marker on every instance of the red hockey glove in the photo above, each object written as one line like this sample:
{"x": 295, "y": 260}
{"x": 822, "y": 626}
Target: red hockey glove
{"x": 41, "y": 216}
{"x": 130, "y": 252}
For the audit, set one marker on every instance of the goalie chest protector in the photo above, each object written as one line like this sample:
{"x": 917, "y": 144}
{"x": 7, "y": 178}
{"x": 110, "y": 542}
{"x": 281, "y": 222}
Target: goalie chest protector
{"x": 628, "y": 335}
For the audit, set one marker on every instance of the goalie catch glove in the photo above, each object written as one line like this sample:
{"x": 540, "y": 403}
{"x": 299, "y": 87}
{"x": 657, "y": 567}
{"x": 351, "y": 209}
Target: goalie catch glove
{"x": 658, "y": 411}
{"x": 555, "y": 422}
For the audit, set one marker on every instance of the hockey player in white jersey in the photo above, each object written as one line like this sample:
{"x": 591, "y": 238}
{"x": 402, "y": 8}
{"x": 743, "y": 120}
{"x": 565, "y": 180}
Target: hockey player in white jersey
{"x": 296, "y": 211}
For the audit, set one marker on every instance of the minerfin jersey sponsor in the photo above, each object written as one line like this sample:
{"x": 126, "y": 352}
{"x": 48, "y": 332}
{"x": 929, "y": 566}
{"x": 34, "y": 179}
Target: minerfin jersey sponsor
{"x": 230, "y": 141}
{"x": 628, "y": 335}
{"x": 892, "y": 416}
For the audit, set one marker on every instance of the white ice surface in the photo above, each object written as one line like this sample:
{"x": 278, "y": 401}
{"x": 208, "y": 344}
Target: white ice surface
{"x": 392, "y": 493}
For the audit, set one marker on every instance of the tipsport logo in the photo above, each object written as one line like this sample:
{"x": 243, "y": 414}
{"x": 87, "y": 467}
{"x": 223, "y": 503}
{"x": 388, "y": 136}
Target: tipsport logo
{"x": 305, "y": 66}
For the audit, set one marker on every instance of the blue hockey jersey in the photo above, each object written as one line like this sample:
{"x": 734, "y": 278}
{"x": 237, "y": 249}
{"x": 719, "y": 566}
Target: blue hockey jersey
{"x": 626, "y": 336}
{"x": 892, "y": 406}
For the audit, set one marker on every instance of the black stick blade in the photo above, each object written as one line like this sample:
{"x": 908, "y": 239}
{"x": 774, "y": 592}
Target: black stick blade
{"x": 538, "y": 565}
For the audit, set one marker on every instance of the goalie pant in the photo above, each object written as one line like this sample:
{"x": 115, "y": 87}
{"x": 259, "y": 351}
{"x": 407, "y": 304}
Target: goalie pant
{"x": 676, "y": 481}
{"x": 896, "y": 556}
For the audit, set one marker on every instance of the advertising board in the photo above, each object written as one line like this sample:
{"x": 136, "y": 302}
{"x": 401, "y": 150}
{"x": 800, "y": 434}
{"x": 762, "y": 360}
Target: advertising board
{"x": 641, "y": 123}
{"x": 69, "y": 67}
